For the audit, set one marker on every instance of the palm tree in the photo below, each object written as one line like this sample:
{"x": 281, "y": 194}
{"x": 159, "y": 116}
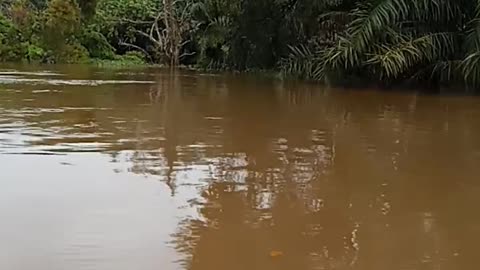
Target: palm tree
{"x": 405, "y": 40}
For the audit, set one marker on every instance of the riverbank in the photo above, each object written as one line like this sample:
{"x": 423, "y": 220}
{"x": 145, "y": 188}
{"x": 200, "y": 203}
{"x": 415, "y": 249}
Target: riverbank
{"x": 391, "y": 44}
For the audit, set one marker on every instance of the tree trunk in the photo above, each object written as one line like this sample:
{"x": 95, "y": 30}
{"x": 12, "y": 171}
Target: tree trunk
{"x": 171, "y": 25}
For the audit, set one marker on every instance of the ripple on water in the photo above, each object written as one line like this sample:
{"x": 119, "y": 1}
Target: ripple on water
{"x": 17, "y": 80}
{"x": 15, "y": 73}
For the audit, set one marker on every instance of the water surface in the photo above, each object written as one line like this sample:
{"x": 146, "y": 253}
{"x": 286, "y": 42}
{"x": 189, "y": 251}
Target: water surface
{"x": 146, "y": 169}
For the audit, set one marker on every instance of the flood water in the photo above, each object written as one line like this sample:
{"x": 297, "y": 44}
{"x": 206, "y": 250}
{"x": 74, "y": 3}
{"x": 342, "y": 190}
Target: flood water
{"x": 145, "y": 169}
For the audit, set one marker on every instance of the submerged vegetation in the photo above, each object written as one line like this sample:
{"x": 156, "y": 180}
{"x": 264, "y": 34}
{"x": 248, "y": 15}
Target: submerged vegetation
{"x": 434, "y": 42}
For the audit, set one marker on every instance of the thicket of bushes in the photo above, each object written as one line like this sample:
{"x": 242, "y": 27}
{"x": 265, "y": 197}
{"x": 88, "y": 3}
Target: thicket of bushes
{"x": 55, "y": 31}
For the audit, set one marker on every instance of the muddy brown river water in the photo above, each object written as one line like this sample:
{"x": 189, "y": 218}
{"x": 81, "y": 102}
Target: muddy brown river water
{"x": 148, "y": 169}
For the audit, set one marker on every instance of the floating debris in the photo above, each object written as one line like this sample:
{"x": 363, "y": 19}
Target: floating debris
{"x": 276, "y": 253}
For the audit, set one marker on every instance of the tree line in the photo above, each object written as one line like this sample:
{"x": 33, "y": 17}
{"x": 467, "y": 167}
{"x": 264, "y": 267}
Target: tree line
{"x": 434, "y": 42}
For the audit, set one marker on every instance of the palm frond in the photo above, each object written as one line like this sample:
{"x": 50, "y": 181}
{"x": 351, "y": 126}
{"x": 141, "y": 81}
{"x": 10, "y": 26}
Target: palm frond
{"x": 396, "y": 59}
{"x": 303, "y": 63}
{"x": 471, "y": 68}
{"x": 371, "y": 18}
{"x": 441, "y": 71}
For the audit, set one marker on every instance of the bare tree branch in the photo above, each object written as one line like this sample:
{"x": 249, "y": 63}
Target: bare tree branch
{"x": 186, "y": 54}
{"x": 121, "y": 43}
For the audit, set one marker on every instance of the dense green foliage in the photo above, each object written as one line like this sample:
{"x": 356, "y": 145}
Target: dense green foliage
{"x": 421, "y": 41}
{"x": 436, "y": 42}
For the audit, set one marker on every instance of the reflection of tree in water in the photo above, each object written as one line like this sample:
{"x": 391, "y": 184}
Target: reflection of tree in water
{"x": 185, "y": 134}
{"x": 243, "y": 223}
{"x": 320, "y": 176}
{"x": 261, "y": 188}
{"x": 156, "y": 154}
{"x": 331, "y": 195}
{"x": 265, "y": 200}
